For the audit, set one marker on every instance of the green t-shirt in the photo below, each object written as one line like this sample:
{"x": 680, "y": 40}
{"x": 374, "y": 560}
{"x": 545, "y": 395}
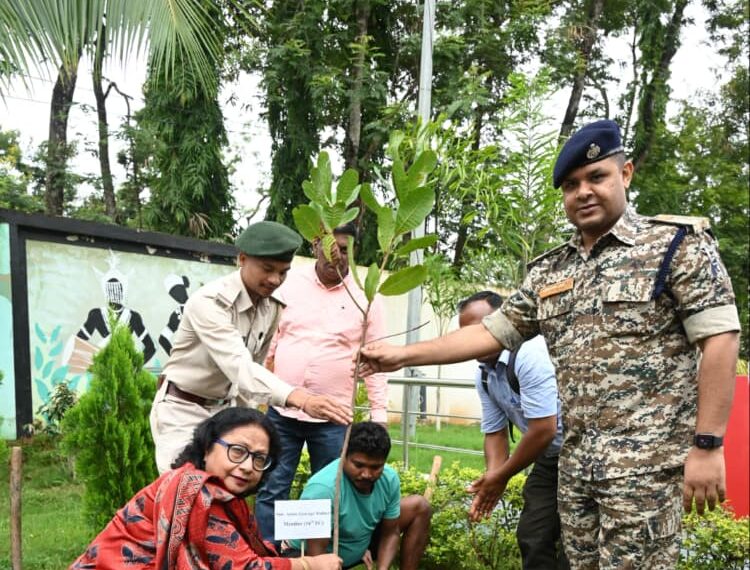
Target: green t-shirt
{"x": 360, "y": 513}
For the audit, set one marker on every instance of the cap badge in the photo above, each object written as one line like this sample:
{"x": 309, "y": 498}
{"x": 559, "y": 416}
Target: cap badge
{"x": 593, "y": 151}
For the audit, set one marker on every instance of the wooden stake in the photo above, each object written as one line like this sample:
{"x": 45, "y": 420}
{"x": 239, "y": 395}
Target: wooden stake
{"x": 16, "y": 471}
{"x": 437, "y": 461}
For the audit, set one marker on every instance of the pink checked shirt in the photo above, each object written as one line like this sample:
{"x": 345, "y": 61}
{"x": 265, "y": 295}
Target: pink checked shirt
{"x": 318, "y": 333}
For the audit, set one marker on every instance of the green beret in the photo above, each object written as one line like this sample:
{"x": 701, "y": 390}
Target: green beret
{"x": 269, "y": 239}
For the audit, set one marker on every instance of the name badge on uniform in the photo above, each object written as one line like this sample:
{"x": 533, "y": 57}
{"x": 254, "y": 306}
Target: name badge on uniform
{"x": 556, "y": 288}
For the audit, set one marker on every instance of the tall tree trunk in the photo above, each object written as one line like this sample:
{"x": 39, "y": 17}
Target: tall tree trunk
{"x": 584, "y": 55}
{"x": 101, "y": 112}
{"x": 652, "y": 108}
{"x": 57, "y": 143}
{"x": 354, "y": 128}
{"x": 633, "y": 87}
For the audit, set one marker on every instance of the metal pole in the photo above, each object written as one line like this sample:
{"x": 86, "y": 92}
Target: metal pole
{"x": 405, "y": 415}
{"x": 415, "y": 295}
{"x": 425, "y": 65}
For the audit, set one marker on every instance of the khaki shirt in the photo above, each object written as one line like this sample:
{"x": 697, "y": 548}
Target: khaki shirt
{"x": 626, "y": 363}
{"x": 221, "y": 341}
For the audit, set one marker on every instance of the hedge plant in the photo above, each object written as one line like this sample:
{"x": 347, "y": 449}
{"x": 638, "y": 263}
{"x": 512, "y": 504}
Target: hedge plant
{"x": 108, "y": 429}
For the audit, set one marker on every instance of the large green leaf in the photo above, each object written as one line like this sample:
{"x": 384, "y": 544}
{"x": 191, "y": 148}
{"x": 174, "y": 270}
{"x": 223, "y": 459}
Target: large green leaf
{"x": 400, "y": 180}
{"x": 398, "y": 174}
{"x": 403, "y": 280}
{"x": 311, "y": 191}
{"x": 321, "y": 210}
{"x": 328, "y": 242}
{"x": 365, "y": 192}
{"x": 421, "y": 167}
{"x": 414, "y": 209}
{"x": 322, "y": 178}
{"x": 415, "y": 244}
{"x": 333, "y": 214}
{"x": 308, "y": 222}
{"x": 371, "y": 281}
{"x": 347, "y": 187}
{"x": 386, "y": 228}
{"x": 350, "y": 215}
{"x": 394, "y": 142}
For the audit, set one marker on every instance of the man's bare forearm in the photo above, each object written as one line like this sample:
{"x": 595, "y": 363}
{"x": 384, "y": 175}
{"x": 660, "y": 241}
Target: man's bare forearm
{"x": 463, "y": 344}
{"x": 716, "y": 379}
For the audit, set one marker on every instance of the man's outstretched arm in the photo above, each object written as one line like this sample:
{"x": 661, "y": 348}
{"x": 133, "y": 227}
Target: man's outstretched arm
{"x": 465, "y": 343}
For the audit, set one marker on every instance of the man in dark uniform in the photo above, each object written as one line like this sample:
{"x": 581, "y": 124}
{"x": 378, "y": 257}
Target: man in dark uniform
{"x": 223, "y": 338}
{"x": 623, "y": 306}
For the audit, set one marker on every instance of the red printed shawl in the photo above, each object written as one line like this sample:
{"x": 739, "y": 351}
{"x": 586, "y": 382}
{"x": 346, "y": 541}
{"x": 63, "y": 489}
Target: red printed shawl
{"x": 185, "y": 520}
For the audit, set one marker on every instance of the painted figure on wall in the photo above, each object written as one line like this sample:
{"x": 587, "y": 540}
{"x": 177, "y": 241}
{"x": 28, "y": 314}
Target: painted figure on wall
{"x": 177, "y": 287}
{"x": 115, "y": 287}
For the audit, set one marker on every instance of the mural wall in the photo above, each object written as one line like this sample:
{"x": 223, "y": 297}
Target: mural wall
{"x": 7, "y": 384}
{"x": 69, "y": 291}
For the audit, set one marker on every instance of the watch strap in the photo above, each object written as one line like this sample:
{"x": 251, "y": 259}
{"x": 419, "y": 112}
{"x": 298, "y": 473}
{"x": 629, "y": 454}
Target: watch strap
{"x": 707, "y": 441}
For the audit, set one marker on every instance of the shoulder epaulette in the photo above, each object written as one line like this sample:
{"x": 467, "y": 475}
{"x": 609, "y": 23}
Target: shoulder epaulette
{"x": 695, "y": 223}
{"x": 227, "y": 294}
{"x": 278, "y": 301}
{"x": 548, "y": 253}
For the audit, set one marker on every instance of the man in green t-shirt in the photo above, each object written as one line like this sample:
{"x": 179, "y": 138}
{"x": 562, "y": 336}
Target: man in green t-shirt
{"x": 373, "y": 516}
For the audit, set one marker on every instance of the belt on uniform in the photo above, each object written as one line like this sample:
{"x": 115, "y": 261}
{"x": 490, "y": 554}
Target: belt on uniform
{"x": 173, "y": 390}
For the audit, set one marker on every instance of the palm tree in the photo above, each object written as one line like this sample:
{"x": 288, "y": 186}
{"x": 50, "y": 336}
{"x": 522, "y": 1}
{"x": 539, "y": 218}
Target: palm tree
{"x": 42, "y": 34}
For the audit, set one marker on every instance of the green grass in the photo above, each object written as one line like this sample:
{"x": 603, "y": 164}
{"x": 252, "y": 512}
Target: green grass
{"x": 52, "y": 528}
{"x": 450, "y": 435}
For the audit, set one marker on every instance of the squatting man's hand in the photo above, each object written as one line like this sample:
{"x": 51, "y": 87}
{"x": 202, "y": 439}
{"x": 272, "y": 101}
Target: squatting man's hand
{"x": 367, "y": 559}
{"x": 488, "y": 489}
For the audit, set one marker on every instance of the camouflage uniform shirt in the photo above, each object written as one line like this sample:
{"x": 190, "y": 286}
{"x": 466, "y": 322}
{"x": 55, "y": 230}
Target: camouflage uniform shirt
{"x": 626, "y": 364}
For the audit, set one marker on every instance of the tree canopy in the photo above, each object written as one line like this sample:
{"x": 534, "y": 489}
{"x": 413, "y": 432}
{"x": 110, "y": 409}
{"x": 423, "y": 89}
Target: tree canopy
{"x": 342, "y": 75}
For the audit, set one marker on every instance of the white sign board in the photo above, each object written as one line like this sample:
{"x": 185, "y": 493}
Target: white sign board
{"x": 302, "y": 519}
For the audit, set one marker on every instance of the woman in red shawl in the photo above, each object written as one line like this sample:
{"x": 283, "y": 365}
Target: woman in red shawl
{"x": 195, "y": 517}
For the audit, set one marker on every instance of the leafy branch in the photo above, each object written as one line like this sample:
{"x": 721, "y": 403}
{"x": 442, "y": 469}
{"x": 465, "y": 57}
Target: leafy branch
{"x": 331, "y": 207}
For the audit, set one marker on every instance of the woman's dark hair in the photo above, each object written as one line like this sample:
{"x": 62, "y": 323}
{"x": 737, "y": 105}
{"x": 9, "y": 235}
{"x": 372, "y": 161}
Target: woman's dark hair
{"x": 369, "y": 438}
{"x": 215, "y": 427}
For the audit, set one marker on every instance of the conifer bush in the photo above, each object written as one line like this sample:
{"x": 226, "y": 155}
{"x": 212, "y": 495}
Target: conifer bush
{"x": 108, "y": 429}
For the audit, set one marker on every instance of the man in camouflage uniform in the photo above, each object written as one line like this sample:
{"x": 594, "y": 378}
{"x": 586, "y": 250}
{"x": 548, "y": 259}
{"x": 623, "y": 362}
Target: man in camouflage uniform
{"x": 623, "y": 305}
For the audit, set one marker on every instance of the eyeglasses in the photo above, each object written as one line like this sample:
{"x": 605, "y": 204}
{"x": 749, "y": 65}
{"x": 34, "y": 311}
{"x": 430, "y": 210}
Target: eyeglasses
{"x": 237, "y": 453}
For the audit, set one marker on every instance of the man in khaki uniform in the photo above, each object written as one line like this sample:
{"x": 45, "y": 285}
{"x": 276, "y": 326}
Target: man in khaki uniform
{"x": 626, "y": 305}
{"x": 224, "y": 335}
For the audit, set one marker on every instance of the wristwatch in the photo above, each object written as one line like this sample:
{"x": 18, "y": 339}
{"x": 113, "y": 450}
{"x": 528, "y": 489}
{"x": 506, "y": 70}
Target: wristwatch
{"x": 707, "y": 441}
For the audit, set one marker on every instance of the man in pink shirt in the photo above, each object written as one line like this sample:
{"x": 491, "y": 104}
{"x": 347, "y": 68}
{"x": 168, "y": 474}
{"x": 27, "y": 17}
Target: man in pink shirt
{"x": 319, "y": 331}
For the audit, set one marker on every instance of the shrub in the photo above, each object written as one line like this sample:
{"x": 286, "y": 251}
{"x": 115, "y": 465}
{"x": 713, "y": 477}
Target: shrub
{"x": 454, "y": 541}
{"x": 300, "y": 476}
{"x": 715, "y": 541}
{"x": 54, "y": 410}
{"x": 108, "y": 429}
